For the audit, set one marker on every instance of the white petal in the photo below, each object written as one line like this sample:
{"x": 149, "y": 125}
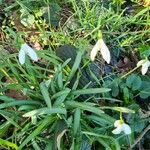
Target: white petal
{"x": 126, "y": 128}
{"x": 30, "y": 52}
{"x": 140, "y": 62}
{"x": 117, "y": 123}
{"x": 145, "y": 67}
{"x": 95, "y": 49}
{"x": 117, "y": 130}
{"x": 105, "y": 51}
{"x": 21, "y": 56}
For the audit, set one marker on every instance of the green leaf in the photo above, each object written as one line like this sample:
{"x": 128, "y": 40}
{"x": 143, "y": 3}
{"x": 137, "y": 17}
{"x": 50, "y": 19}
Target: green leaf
{"x": 77, "y": 116}
{"x": 145, "y": 90}
{"x": 120, "y": 109}
{"x": 144, "y": 50}
{"x": 45, "y": 110}
{"x": 60, "y": 78}
{"x": 8, "y": 144}
{"x": 134, "y": 82}
{"x": 18, "y": 103}
{"x": 99, "y": 120}
{"x": 61, "y": 93}
{"x": 83, "y": 106}
{"x": 90, "y": 91}
{"x": 45, "y": 94}
{"x": 126, "y": 94}
{"x": 6, "y": 98}
{"x": 61, "y": 98}
{"x": 75, "y": 65}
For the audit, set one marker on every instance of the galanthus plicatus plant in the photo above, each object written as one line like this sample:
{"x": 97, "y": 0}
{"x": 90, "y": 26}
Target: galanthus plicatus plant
{"x": 27, "y": 50}
{"x": 102, "y": 47}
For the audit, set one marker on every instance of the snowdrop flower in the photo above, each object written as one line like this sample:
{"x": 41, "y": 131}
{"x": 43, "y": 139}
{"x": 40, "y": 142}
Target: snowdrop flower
{"x": 27, "y": 50}
{"x": 121, "y": 126}
{"x": 145, "y": 65}
{"x": 101, "y": 46}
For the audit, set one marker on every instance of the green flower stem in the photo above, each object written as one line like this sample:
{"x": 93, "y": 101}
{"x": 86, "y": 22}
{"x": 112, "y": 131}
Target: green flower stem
{"x": 134, "y": 69}
{"x": 121, "y": 118}
{"x": 130, "y": 72}
{"x": 6, "y": 74}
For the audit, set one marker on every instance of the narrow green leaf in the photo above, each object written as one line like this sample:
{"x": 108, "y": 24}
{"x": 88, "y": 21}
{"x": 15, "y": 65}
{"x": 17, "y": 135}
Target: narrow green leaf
{"x": 61, "y": 98}
{"x": 8, "y": 144}
{"x": 120, "y": 109}
{"x": 45, "y": 110}
{"x": 84, "y": 106}
{"x": 63, "y": 92}
{"x": 77, "y": 116}
{"x": 18, "y": 103}
{"x": 76, "y": 65}
{"x": 60, "y": 78}
{"x": 45, "y": 94}
{"x": 90, "y": 91}
{"x": 26, "y": 107}
{"x": 6, "y": 98}
{"x": 87, "y": 107}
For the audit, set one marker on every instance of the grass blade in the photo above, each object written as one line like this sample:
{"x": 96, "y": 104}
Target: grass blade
{"x": 90, "y": 91}
{"x": 77, "y": 116}
{"x": 84, "y": 106}
{"x": 76, "y": 65}
{"x": 45, "y": 94}
{"x": 45, "y": 110}
{"x": 8, "y": 144}
{"x": 18, "y": 103}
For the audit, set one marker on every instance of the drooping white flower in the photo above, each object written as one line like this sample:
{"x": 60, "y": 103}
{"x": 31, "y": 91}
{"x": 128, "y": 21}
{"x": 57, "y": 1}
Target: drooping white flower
{"x": 145, "y": 65}
{"x": 101, "y": 46}
{"x": 27, "y": 50}
{"x": 121, "y": 126}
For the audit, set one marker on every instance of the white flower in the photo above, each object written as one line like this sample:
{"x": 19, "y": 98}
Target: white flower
{"x": 121, "y": 126}
{"x": 145, "y": 65}
{"x": 101, "y": 46}
{"x": 27, "y": 50}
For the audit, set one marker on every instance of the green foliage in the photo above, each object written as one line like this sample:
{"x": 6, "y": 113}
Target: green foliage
{"x": 133, "y": 82}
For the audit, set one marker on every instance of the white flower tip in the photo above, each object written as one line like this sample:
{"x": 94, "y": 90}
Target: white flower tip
{"x": 145, "y": 67}
{"x": 94, "y": 51}
{"x": 101, "y": 46}
{"x": 27, "y": 50}
{"x": 117, "y": 130}
{"x": 120, "y": 126}
{"x": 21, "y": 57}
{"x": 105, "y": 52}
{"x": 126, "y": 128}
{"x": 117, "y": 123}
{"x": 33, "y": 56}
{"x": 140, "y": 62}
